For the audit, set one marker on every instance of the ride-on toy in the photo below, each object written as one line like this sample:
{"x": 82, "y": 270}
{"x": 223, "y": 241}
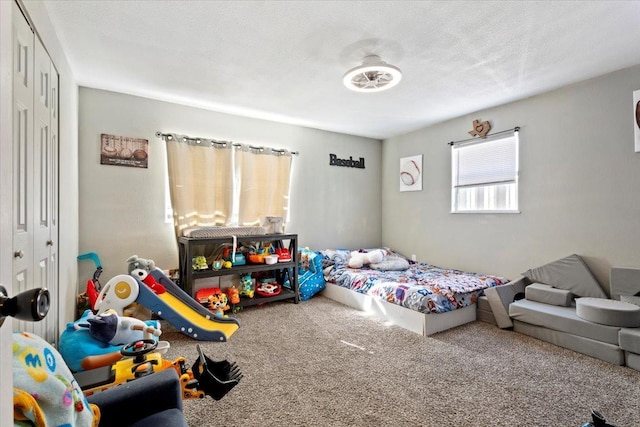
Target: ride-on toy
{"x": 206, "y": 377}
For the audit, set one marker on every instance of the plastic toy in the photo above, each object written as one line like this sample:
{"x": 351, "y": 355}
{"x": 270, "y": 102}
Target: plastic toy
{"x": 268, "y": 288}
{"x": 175, "y": 306}
{"x": 199, "y": 263}
{"x": 598, "y": 420}
{"x": 206, "y": 377}
{"x": 233, "y": 294}
{"x": 88, "y": 299}
{"x": 239, "y": 259}
{"x": 283, "y": 255}
{"x": 257, "y": 258}
{"x": 246, "y": 286}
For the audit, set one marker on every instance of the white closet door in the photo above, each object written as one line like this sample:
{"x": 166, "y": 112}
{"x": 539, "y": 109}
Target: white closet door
{"x": 53, "y": 280}
{"x": 23, "y": 66}
{"x": 35, "y": 175}
{"x": 43, "y": 161}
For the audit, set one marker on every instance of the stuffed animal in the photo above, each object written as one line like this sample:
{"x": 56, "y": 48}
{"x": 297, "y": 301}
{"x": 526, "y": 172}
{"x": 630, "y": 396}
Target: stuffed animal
{"x": 82, "y": 352}
{"x": 112, "y": 329}
{"x": 359, "y": 259}
{"x": 140, "y": 269}
{"x": 218, "y": 302}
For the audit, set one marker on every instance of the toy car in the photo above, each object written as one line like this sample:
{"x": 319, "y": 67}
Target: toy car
{"x": 200, "y": 263}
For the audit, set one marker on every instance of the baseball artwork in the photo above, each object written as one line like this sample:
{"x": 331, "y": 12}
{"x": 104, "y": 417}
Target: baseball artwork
{"x": 411, "y": 173}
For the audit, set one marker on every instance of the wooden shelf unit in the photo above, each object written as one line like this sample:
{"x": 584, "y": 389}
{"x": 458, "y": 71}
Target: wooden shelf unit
{"x": 188, "y": 276}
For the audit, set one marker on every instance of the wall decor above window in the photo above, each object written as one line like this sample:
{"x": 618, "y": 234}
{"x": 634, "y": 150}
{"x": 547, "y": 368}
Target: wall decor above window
{"x": 480, "y": 128}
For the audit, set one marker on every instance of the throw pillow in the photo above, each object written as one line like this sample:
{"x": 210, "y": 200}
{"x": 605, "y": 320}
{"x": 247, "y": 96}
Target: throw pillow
{"x": 391, "y": 263}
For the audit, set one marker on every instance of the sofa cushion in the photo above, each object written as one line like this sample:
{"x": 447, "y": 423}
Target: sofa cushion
{"x": 548, "y": 294}
{"x": 562, "y": 319}
{"x": 569, "y": 273}
{"x": 608, "y": 312}
{"x": 631, "y": 299}
{"x": 630, "y": 339}
{"x": 624, "y": 281}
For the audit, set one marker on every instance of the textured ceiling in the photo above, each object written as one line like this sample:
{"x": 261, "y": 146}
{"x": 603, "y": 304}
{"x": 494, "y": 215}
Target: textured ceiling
{"x": 284, "y": 60}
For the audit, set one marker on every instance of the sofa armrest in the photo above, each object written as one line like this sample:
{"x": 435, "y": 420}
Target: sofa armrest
{"x": 133, "y": 401}
{"x": 500, "y": 297}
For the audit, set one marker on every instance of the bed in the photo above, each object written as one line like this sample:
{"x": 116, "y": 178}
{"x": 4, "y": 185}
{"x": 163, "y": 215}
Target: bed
{"x": 420, "y": 297}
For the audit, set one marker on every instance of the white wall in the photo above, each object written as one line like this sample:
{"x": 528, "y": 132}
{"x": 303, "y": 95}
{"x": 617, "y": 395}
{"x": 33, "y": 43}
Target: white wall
{"x": 579, "y": 185}
{"x": 121, "y": 208}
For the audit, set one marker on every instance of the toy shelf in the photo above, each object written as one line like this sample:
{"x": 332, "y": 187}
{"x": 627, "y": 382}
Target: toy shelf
{"x": 186, "y": 246}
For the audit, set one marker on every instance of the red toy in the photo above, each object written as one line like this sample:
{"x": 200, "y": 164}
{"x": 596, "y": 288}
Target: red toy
{"x": 268, "y": 289}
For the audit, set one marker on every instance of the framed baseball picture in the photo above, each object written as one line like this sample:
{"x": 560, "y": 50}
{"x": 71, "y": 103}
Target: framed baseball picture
{"x": 411, "y": 173}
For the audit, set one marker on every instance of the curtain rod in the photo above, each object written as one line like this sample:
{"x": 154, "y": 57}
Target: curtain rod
{"x": 221, "y": 142}
{"x": 515, "y": 129}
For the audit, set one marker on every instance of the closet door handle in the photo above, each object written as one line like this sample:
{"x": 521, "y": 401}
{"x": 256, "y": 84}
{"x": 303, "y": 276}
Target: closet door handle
{"x": 18, "y": 254}
{"x": 49, "y": 242}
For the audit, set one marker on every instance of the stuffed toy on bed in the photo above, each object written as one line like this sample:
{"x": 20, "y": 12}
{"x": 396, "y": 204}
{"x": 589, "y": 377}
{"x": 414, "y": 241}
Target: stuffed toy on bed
{"x": 359, "y": 259}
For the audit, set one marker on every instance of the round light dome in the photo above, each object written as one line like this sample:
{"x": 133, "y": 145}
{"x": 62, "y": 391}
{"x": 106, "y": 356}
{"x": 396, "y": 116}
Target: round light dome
{"x": 374, "y": 75}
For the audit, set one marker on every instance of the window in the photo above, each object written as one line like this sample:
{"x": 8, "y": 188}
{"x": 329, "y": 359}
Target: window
{"x": 485, "y": 175}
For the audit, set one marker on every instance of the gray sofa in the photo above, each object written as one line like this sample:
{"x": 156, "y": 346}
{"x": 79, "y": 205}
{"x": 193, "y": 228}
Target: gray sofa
{"x": 563, "y": 303}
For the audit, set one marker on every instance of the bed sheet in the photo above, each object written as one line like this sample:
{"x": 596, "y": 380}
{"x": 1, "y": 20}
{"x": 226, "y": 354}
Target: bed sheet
{"x": 422, "y": 287}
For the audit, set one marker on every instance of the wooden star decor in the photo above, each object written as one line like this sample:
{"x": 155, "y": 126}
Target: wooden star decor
{"x": 480, "y": 128}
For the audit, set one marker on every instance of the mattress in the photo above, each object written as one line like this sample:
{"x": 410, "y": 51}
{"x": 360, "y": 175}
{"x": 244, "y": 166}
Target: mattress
{"x": 421, "y": 287}
{"x": 212, "y": 232}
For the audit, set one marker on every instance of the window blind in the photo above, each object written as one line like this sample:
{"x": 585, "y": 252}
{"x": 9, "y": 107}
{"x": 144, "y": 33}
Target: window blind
{"x": 486, "y": 162}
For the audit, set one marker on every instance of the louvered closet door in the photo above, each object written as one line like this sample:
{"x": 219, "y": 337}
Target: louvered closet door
{"x": 36, "y": 179}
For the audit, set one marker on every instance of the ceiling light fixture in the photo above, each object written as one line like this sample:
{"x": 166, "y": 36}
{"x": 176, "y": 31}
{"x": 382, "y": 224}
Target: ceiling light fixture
{"x": 374, "y": 75}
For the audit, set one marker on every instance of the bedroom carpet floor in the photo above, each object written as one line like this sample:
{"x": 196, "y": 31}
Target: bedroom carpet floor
{"x": 320, "y": 363}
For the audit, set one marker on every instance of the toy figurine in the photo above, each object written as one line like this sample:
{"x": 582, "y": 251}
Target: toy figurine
{"x": 233, "y": 294}
{"x": 246, "y": 286}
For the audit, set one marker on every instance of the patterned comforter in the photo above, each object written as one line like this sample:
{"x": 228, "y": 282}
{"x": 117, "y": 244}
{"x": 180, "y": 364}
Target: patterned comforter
{"x": 422, "y": 287}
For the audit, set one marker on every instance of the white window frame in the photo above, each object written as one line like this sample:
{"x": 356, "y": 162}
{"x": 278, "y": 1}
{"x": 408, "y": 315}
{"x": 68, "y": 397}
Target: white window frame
{"x": 483, "y": 187}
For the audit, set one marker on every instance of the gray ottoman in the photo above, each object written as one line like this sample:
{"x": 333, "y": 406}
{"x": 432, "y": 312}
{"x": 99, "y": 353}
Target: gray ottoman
{"x": 608, "y": 312}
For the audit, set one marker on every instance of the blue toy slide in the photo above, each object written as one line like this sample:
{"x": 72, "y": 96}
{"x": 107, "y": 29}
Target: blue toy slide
{"x": 183, "y": 312}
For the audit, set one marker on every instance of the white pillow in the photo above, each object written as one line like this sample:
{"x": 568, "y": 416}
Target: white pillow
{"x": 391, "y": 263}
